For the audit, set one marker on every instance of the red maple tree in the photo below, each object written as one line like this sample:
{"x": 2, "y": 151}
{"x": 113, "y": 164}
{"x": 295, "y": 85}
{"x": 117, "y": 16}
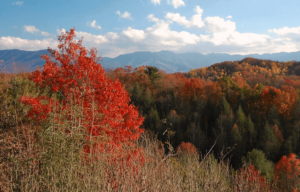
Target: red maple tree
{"x": 84, "y": 95}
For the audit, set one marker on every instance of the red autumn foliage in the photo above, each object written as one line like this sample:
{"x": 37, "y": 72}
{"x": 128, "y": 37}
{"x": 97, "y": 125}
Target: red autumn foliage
{"x": 75, "y": 75}
{"x": 193, "y": 87}
{"x": 249, "y": 179}
{"x": 287, "y": 172}
{"x": 290, "y": 82}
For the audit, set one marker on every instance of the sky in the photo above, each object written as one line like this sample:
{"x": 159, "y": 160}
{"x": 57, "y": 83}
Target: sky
{"x": 118, "y": 27}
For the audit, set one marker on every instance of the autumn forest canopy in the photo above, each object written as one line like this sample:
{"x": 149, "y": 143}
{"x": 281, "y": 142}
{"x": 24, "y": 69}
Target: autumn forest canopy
{"x": 241, "y": 117}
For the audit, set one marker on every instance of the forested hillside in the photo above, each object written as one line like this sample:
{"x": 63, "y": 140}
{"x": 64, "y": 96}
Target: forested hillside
{"x": 242, "y": 105}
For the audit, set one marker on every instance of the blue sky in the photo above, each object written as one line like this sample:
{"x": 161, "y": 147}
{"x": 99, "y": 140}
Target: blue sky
{"x": 117, "y": 27}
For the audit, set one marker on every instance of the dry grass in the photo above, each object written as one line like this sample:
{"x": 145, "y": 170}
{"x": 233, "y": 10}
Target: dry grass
{"x": 58, "y": 167}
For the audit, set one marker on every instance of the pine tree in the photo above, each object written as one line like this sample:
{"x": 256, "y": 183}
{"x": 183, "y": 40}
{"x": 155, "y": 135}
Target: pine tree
{"x": 153, "y": 74}
{"x": 273, "y": 116}
{"x": 251, "y": 132}
{"x": 238, "y": 145}
{"x": 241, "y": 120}
{"x": 136, "y": 95}
{"x": 225, "y": 106}
{"x": 148, "y": 100}
{"x": 268, "y": 140}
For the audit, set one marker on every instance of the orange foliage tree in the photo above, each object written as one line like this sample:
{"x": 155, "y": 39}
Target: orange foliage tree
{"x": 284, "y": 99}
{"x": 288, "y": 99}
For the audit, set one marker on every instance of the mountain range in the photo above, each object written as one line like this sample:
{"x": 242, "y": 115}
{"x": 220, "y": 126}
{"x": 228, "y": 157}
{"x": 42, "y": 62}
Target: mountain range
{"x": 164, "y": 60}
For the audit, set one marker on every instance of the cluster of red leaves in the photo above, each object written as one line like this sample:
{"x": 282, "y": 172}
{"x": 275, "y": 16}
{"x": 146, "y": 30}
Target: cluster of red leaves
{"x": 287, "y": 172}
{"x": 199, "y": 87}
{"x": 193, "y": 87}
{"x": 73, "y": 73}
{"x": 270, "y": 91}
{"x": 188, "y": 148}
{"x": 39, "y": 111}
{"x": 249, "y": 179}
{"x": 290, "y": 82}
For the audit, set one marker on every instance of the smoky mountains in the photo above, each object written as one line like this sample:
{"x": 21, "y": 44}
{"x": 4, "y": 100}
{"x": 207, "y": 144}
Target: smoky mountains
{"x": 164, "y": 60}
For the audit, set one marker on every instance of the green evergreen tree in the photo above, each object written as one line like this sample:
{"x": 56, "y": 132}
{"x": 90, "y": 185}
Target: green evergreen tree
{"x": 225, "y": 106}
{"x": 242, "y": 100}
{"x": 153, "y": 122}
{"x": 148, "y": 100}
{"x": 136, "y": 95}
{"x": 268, "y": 141}
{"x": 251, "y": 132}
{"x": 153, "y": 74}
{"x": 241, "y": 119}
{"x": 258, "y": 159}
{"x": 239, "y": 146}
{"x": 273, "y": 116}
{"x": 236, "y": 135}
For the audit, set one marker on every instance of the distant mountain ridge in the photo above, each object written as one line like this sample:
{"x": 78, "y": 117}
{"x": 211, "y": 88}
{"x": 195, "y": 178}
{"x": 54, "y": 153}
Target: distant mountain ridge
{"x": 164, "y": 60}
{"x": 28, "y": 60}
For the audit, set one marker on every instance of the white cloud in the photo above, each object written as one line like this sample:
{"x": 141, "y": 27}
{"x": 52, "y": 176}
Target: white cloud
{"x": 236, "y": 38}
{"x": 45, "y": 33}
{"x": 176, "y": 3}
{"x": 195, "y": 21}
{"x": 125, "y": 15}
{"x": 152, "y": 18}
{"x": 176, "y": 17}
{"x": 93, "y": 24}
{"x": 161, "y": 33}
{"x": 25, "y": 44}
{"x": 229, "y": 17}
{"x": 134, "y": 34}
{"x": 286, "y": 31}
{"x": 218, "y": 24}
{"x": 88, "y": 37}
{"x": 19, "y": 3}
{"x": 209, "y": 24}
{"x": 32, "y": 29}
{"x": 292, "y": 33}
{"x": 155, "y": 2}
